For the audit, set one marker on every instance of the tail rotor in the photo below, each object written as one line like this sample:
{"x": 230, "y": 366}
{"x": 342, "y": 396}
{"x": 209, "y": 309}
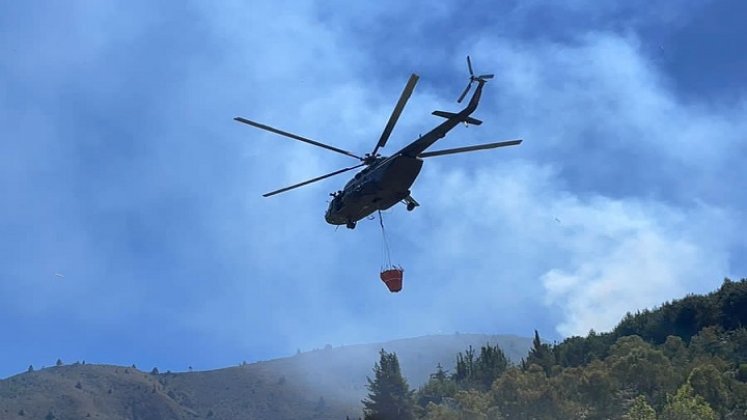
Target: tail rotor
{"x": 472, "y": 79}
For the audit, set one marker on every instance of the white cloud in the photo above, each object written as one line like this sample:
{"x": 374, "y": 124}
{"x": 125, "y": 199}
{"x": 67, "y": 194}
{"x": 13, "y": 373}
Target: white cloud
{"x": 484, "y": 252}
{"x": 597, "y": 108}
{"x": 508, "y": 236}
{"x": 630, "y": 255}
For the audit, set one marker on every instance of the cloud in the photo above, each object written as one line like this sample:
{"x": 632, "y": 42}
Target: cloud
{"x": 645, "y": 212}
{"x": 127, "y": 174}
{"x": 626, "y": 256}
{"x": 513, "y": 238}
{"x": 606, "y": 110}
{"x": 486, "y": 235}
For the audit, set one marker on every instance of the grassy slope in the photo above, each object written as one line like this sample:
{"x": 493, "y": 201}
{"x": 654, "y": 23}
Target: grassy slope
{"x": 322, "y": 384}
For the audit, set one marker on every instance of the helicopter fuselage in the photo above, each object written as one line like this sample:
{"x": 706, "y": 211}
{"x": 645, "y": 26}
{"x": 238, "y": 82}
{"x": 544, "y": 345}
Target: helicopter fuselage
{"x": 387, "y": 181}
{"x": 378, "y": 187}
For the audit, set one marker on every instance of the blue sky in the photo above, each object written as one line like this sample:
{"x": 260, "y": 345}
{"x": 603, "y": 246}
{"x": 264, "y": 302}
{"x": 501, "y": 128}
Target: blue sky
{"x": 121, "y": 169}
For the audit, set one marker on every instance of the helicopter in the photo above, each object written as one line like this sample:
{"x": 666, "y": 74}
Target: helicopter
{"x": 386, "y": 181}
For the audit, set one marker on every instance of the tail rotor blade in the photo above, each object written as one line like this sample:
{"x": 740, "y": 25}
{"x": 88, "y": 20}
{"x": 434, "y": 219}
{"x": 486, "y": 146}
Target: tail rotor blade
{"x": 469, "y": 66}
{"x": 485, "y": 76}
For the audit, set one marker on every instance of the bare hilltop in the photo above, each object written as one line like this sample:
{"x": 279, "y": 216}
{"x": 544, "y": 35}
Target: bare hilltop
{"x": 321, "y": 384}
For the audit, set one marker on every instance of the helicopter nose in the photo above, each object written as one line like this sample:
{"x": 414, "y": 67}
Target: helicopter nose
{"x": 332, "y": 217}
{"x": 328, "y": 215}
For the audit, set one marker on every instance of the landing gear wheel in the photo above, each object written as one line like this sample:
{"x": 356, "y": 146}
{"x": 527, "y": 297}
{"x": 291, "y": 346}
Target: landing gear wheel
{"x": 411, "y": 206}
{"x": 350, "y": 225}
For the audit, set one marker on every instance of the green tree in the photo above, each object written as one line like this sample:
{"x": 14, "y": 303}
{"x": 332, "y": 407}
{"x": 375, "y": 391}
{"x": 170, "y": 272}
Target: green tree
{"x": 473, "y": 404}
{"x": 481, "y": 371}
{"x": 491, "y": 363}
{"x": 686, "y": 405}
{"x": 738, "y": 339}
{"x": 572, "y": 352}
{"x": 708, "y": 342}
{"x": 640, "y": 410}
{"x": 707, "y": 382}
{"x": 540, "y": 354}
{"x": 598, "y": 390}
{"x": 389, "y": 397}
{"x": 732, "y": 299}
{"x": 526, "y": 394}
{"x": 675, "y": 349}
{"x": 640, "y": 367}
{"x": 438, "y": 387}
{"x": 440, "y": 412}
{"x": 465, "y": 367}
{"x": 569, "y": 384}
{"x": 741, "y": 374}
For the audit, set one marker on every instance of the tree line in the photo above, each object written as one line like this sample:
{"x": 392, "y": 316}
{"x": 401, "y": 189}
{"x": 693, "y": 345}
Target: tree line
{"x": 686, "y": 359}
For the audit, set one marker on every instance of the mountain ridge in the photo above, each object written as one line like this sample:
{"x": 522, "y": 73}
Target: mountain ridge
{"x": 318, "y": 384}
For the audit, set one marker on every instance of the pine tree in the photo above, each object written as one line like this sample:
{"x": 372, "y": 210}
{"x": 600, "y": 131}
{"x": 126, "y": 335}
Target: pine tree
{"x": 481, "y": 371}
{"x": 540, "y": 354}
{"x": 438, "y": 387}
{"x": 465, "y": 366}
{"x": 389, "y": 398}
{"x": 491, "y": 363}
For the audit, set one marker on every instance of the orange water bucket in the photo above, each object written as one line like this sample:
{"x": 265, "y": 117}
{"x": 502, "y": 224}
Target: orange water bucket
{"x": 392, "y": 277}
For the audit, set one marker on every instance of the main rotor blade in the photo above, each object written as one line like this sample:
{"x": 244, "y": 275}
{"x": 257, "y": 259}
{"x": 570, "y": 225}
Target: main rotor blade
{"x": 295, "y": 137}
{"x": 319, "y": 178}
{"x": 396, "y": 113}
{"x": 464, "y": 93}
{"x": 469, "y": 148}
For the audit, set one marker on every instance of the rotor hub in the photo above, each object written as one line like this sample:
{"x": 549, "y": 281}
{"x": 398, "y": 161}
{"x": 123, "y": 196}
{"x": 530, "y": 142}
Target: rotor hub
{"x": 370, "y": 159}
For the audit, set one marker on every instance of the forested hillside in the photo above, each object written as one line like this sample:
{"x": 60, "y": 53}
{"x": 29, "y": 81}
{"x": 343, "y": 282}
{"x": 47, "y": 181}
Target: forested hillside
{"x": 684, "y": 360}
